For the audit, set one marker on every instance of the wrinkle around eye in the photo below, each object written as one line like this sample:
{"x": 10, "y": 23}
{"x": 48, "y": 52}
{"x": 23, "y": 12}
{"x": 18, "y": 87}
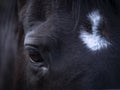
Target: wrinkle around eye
{"x": 41, "y": 40}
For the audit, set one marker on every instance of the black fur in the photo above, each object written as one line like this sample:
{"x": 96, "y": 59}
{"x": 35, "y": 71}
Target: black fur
{"x": 56, "y": 58}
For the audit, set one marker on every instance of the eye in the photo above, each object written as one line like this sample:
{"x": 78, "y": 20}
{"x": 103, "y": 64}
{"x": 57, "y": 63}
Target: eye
{"x": 34, "y": 54}
{"x": 37, "y": 63}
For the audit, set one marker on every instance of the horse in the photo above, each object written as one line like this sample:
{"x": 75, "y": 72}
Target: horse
{"x": 60, "y": 45}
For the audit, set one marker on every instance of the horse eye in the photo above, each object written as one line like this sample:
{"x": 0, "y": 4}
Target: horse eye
{"x": 34, "y": 55}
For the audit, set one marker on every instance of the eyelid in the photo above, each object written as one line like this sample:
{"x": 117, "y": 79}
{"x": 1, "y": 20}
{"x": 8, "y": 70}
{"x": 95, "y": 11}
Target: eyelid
{"x": 29, "y": 46}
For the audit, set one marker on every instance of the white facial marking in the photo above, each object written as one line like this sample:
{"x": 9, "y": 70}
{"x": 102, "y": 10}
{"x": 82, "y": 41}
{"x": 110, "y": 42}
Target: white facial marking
{"x": 95, "y": 19}
{"x": 93, "y": 40}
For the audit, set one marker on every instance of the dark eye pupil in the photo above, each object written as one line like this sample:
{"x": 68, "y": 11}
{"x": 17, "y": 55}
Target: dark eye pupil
{"x": 36, "y": 58}
{"x": 35, "y": 55}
